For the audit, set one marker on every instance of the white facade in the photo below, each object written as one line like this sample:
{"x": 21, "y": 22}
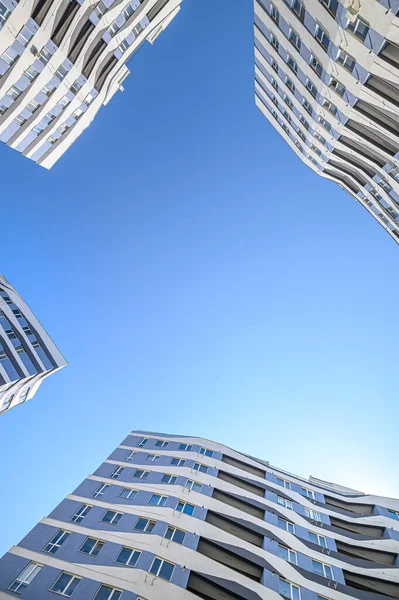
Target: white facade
{"x": 327, "y": 78}
{"x": 61, "y": 60}
{"x": 27, "y": 353}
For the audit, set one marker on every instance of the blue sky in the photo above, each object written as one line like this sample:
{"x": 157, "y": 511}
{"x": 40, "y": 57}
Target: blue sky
{"x": 199, "y": 279}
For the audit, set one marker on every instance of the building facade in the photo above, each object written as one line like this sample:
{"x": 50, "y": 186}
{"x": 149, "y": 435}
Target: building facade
{"x": 170, "y": 517}
{"x": 27, "y": 353}
{"x": 61, "y": 60}
{"x": 327, "y": 78}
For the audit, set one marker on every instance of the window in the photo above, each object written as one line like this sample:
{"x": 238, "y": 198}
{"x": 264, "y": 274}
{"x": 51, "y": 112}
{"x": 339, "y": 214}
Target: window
{"x": 186, "y": 447}
{"x": 304, "y": 122}
{"x": 152, "y": 457}
{"x": 91, "y": 546}
{"x": 274, "y": 13}
{"x": 100, "y": 9}
{"x": 113, "y": 29}
{"x": 100, "y": 490}
{"x": 175, "y": 535}
{"x": 316, "y": 66}
{"x": 107, "y": 593}
{"x": 141, "y": 474}
{"x": 158, "y": 500}
{"x": 130, "y": 455}
{"x": 26, "y": 34}
{"x": 14, "y": 92}
{"x": 298, "y": 9}
{"x": 112, "y": 517}
{"x": 123, "y": 46}
{"x": 127, "y": 493}
{"x": 337, "y": 87}
{"x": 325, "y": 124}
{"x": 45, "y": 55}
{"x": 323, "y": 141}
{"x": 313, "y": 514}
{"x": 274, "y": 65}
{"x": 206, "y": 452}
{"x": 4, "y": 13}
{"x": 31, "y": 73}
{"x": 284, "y": 502}
{"x": 298, "y": 145}
{"x": 169, "y": 479}
{"x": 128, "y": 11}
{"x": 193, "y": 485}
{"x": 275, "y": 100}
{"x": 288, "y": 101}
{"x": 161, "y": 443}
{"x": 322, "y": 569}
{"x": 290, "y": 85}
{"x": 287, "y": 554}
{"x": 184, "y": 507}
{"x": 330, "y": 107}
{"x": 311, "y": 88}
{"x": 81, "y": 513}
{"x": 347, "y": 61}
{"x": 142, "y": 442}
{"x": 10, "y": 334}
{"x": 274, "y": 42}
{"x": 286, "y": 525}
{"x": 178, "y": 462}
{"x": 199, "y": 467}
{"x": 146, "y": 525}
{"x": 322, "y": 37}
{"x": 275, "y": 115}
{"x": 359, "y": 28}
{"x": 307, "y": 106}
{"x": 116, "y": 472}
{"x": 128, "y": 556}
{"x": 320, "y": 540}
{"x": 20, "y": 120}
{"x": 284, "y": 483}
{"x": 162, "y": 568}
{"x": 56, "y": 541}
{"x": 9, "y": 56}
{"x": 61, "y": 72}
{"x": 284, "y": 126}
{"x": 393, "y": 514}
{"x": 315, "y": 150}
{"x": 48, "y": 89}
{"x": 32, "y": 106}
{"x": 65, "y": 584}
{"x": 286, "y": 116}
{"x": 331, "y": 6}
{"x": 292, "y": 64}
{"x": 25, "y": 577}
{"x": 294, "y": 39}
{"x": 288, "y": 590}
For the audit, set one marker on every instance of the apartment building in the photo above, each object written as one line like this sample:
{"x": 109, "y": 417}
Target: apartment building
{"x": 175, "y": 517}
{"x": 327, "y": 79}
{"x": 61, "y": 60}
{"x": 27, "y": 353}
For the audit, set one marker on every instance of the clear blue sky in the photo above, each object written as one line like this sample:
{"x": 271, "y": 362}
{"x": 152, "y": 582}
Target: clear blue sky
{"x": 199, "y": 279}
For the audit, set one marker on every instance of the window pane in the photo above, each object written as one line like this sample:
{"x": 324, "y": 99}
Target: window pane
{"x": 166, "y": 571}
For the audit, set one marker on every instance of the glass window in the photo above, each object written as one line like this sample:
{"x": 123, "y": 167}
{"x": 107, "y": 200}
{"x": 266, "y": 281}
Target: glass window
{"x": 112, "y": 517}
{"x": 287, "y": 554}
{"x": 393, "y": 514}
{"x": 91, "y": 546}
{"x": 178, "y": 462}
{"x": 304, "y": 122}
{"x": 330, "y": 107}
{"x": 294, "y": 39}
{"x": 292, "y": 64}
{"x": 359, "y": 28}
{"x": 169, "y": 479}
{"x": 32, "y": 106}
{"x": 206, "y": 452}
{"x": 322, "y": 569}
{"x": 128, "y": 556}
{"x": 102, "y": 488}
{"x": 141, "y": 474}
{"x": 117, "y": 472}
{"x": 152, "y": 457}
{"x": 274, "y": 13}
{"x": 322, "y": 37}
{"x": 186, "y": 447}
{"x": 161, "y": 443}
{"x": 192, "y": 485}
{"x": 81, "y": 513}
{"x": 146, "y": 525}
{"x": 175, "y": 535}
{"x": 14, "y": 92}
{"x": 131, "y": 455}
{"x": 337, "y": 87}
{"x": 274, "y": 42}
{"x": 316, "y": 66}
{"x": 312, "y": 88}
{"x": 274, "y": 65}
{"x": 313, "y": 514}
{"x": 142, "y": 442}
{"x": 347, "y": 61}
{"x": 288, "y": 590}
{"x": 286, "y": 525}
{"x": 284, "y": 502}
{"x": 199, "y": 467}
{"x": 107, "y": 593}
{"x": 162, "y": 568}
{"x": 26, "y": 34}
{"x": 290, "y": 85}
{"x": 330, "y": 5}
{"x": 298, "y": 9}
{"x": 56, "y": 541}
{"x": 31, "y": 73}
{"x": 322, "y": 140}
{"x": 158, "y": 500}
{"x": 45, "y": 55}
{"x": 184, "y": 507}
{"x": 25, "y": 577}
{"x": 127, "y": 493}
{"x": 325, "y": 124}
{"x": 61, "y": 72}
{"x": 307, "y": 106}
{"x": 10, "y": 55}
{"x": 4, "y": 13}
{"x": 65, "y": 584}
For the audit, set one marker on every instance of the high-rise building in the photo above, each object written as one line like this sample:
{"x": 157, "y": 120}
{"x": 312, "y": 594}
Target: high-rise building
{"x": 61, "y": 60}
{"x": 169, "y": 517}
{"x": 327, "y": 78}
{"x": 27, "y": 353}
